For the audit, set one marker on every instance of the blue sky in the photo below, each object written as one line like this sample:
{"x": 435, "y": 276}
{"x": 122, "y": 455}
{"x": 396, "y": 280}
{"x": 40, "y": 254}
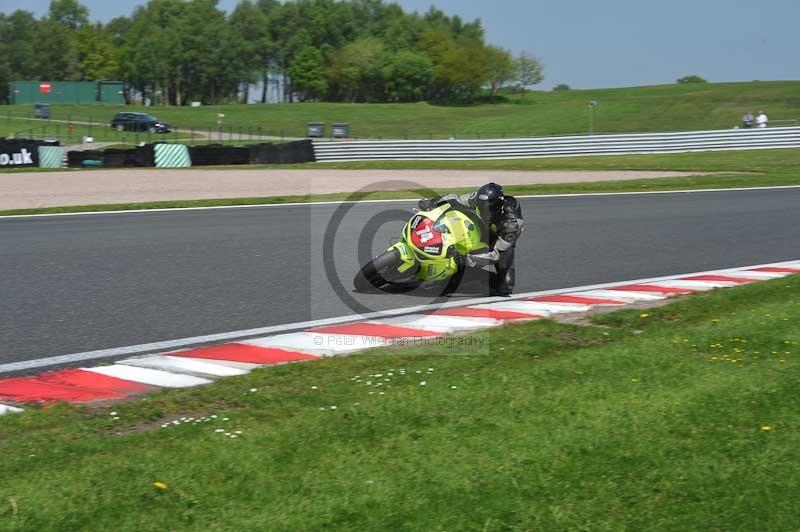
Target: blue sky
{"x": 590, "y": 44}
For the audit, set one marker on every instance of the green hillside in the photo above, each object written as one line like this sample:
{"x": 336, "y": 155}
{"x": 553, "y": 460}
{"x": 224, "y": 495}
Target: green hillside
{"x": 635, "y": 109}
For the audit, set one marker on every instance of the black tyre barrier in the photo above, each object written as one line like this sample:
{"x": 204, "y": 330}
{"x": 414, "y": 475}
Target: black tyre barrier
{"x": 16, "y": 153}
{"x": 301, "y": 151}
{"x": 217, "y": 155}
{"x": 75, "y": 159}
{"x": 141, "y": 156}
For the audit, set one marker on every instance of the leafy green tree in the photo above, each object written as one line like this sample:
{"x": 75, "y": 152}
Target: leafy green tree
{"x": 403, "y": 32}
{"x": 463, "y": 71}
{"x": 18, "y": 34}
{"x": 99, "y": 58}
{"x": 211, "y": 62}
{"x": 408, "y": 76}
{"x": 69, "y": 13}
{"x": 117, "y": 29}
{"x": 56, "y": 52}
{"x": 175, "y": 51}
{"x": 502, "y": 68}
{"x": 691, "y": 79}
{"x": 356, "y": 72}
{"x": 561, "y": 87}
{"x": 307, "y": 73}
{"x": 530, "y": 70}
{"x": 152, "y": 51}
{"x": 251, "y": 21}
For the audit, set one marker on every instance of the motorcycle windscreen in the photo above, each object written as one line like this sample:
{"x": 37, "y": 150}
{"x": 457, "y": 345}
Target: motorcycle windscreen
{"x": 425, "y": 236}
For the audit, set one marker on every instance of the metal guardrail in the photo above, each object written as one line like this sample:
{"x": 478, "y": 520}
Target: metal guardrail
{"x": 524, "y": 148}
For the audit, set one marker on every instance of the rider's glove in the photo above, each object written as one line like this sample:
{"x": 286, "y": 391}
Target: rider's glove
{"x": 465, "y": 261}
{"x": 426, "y": 204}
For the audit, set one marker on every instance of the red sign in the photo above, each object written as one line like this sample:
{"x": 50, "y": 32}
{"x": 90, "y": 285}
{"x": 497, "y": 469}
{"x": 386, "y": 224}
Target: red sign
{"x": 45, "y": 88}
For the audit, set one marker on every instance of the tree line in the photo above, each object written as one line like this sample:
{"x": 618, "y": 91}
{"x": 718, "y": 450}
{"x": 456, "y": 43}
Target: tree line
{"x": 172, "y": 52}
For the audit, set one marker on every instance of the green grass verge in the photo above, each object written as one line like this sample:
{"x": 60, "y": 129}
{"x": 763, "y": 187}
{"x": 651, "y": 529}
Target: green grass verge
{"x": 683, "y": 417}
{"x": 44, "y": 129}
{"x": 655, "y": 108}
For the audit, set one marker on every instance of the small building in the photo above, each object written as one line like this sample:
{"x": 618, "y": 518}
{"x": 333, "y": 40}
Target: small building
{"x": 66, "y": 92}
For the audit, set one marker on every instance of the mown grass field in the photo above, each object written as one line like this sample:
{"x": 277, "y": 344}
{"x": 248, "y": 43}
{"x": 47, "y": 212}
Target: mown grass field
{"x": 654, "y": 108}
{"x": 683, "y": 417}
{"x": 101, "y": 133}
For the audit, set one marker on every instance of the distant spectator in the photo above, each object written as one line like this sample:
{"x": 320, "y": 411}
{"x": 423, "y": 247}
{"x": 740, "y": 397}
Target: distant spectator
{"x": 761, "y": 119}
{"x": 747, "y": 120}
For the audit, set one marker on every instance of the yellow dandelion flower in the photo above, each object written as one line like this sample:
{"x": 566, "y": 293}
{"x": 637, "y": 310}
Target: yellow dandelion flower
{"x": 160, "y": 485}
{"x": 766, "y": 427}
{"x": 643, "y": 315}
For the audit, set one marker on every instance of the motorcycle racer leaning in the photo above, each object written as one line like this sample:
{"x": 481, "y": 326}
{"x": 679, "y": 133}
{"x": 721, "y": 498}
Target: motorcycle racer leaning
{"x": 503, "y": 216}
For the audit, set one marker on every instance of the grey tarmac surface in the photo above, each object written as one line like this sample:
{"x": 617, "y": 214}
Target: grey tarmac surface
{"x": 78, "y": 283}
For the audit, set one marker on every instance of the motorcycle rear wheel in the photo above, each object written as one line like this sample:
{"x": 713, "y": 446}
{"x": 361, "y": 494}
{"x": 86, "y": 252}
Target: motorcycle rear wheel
{"x": 382, "y": 273}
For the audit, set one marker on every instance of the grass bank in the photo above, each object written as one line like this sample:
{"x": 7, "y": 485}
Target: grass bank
{"x": 683, "y": 417}
{"x": 635, "y": 109}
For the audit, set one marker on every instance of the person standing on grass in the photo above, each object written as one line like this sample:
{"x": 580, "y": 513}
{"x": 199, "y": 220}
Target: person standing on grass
{"x": 761, "y": 119}
{"x": 747, "y": 120}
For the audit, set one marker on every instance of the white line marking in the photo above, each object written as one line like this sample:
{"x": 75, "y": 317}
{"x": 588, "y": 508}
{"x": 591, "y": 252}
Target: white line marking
{"x": 441, "y": 324}
{"x": 340, "y": 202}
{"x": 5, "y": 409}
{"x": 191, "y": 366}
{"x": 172, "y": 345}
{"x": 153, "y": 377}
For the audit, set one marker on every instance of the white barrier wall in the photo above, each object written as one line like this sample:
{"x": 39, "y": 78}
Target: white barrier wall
{"x": 524, "y": 148}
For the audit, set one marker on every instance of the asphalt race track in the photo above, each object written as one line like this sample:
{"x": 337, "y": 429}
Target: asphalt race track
{"x": 72, "y": 284}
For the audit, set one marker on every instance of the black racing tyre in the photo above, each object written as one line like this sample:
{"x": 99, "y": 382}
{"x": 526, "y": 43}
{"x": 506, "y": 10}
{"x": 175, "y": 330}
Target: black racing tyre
{"x": 374, "y": 273}
{"x": 368, "y": 279}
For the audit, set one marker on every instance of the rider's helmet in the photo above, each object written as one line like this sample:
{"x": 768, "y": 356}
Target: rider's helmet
{"x": 489, "y": 199}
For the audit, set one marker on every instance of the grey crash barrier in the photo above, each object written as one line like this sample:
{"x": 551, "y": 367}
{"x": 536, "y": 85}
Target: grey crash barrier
{"x": 570, "y": 146}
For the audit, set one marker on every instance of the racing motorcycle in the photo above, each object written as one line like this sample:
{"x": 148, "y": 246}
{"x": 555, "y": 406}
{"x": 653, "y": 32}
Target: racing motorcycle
{"x": 431, "y": 251}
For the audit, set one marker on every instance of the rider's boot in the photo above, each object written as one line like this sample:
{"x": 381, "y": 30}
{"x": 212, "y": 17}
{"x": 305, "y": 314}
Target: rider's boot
{"x": 505, "y": 278}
